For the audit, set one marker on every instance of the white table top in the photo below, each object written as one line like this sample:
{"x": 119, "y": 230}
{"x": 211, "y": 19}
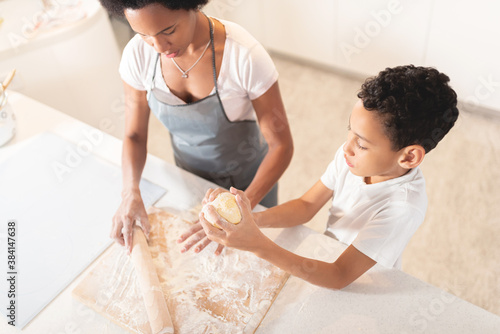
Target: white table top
{"x": 381, "y": 301}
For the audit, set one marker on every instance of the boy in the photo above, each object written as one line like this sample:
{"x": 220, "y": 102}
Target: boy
{"x": 378, "y": 190}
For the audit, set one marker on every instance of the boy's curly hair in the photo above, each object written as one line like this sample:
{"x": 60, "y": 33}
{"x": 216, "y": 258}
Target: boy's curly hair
{"x": 117, "y": 7}
{"x": 415, "y": 104}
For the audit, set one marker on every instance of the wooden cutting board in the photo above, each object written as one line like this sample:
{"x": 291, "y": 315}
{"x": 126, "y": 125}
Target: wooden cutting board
{"x": 230, "y": 293}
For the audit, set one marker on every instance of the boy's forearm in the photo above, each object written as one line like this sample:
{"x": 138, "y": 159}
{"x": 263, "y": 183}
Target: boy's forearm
{"x": 316, "y": 272}
{"x": 297, "y": 211}
{"x": 289, "y": 214}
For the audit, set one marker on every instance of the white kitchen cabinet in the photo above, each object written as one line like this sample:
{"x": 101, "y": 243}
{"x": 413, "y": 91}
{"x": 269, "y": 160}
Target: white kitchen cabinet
{"x": 359, "y": 36}
{"x": 304, "y": 29}
{"x": 247, "y": 13}
{"x": 373, "y": 35}
{"x": 464, "y": 42}
{"x": 291, "y": 27}
{"x": 362, "y": 37}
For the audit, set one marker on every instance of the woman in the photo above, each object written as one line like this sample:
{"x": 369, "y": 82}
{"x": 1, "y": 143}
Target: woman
{"x": 208, "y": 81}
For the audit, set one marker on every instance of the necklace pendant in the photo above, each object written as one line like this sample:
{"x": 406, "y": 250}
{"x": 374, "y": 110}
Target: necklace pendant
{"x": 185, "y": 73}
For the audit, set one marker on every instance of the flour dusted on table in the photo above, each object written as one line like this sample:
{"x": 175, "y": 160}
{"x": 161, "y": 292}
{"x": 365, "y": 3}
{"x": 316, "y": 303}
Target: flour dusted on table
{"x": 205, "y": 293}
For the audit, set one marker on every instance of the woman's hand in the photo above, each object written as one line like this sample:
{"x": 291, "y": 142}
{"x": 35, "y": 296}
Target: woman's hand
{"x": 133, "y": 159}
{"x": 131, "y": 210}
{"x": 195, "y": 235}
{"x": 245, "y": 236}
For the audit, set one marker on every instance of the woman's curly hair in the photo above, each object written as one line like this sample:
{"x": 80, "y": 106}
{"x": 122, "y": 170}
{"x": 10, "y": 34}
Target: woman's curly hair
{"x": 415, "y": 104}
{"x": 117, "y": 7}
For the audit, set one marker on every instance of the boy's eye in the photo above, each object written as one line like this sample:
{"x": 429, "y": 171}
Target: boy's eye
{"x": 359, "y": 146}
{"x": 357, "y": 141}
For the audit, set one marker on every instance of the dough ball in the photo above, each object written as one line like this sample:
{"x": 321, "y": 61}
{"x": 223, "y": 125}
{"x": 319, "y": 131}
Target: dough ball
{"x": 226, "y": 207}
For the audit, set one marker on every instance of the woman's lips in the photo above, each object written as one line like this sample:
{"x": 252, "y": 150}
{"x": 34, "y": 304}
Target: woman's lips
{"x": 171, "y": 55}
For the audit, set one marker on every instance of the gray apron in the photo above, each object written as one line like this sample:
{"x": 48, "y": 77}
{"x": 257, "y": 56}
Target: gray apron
{"x": 206, "y": 143}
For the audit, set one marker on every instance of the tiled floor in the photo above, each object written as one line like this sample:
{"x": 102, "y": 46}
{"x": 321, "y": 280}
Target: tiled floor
{"x": 456, "y": 248}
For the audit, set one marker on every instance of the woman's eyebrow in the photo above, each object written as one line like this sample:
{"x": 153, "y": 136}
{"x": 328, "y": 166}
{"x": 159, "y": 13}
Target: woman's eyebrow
{"x": 140, "y": 33}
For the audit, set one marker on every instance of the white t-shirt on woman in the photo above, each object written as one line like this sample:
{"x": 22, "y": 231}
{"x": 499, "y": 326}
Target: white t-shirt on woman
{"x": 247, "y": 72}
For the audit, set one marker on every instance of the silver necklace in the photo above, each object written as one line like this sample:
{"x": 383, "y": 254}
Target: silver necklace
{"x": 185, "y": 73}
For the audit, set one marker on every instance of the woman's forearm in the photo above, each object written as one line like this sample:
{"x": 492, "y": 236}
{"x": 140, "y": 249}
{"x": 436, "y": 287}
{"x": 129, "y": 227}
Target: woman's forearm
{"x": 274, "y": 126}
{"x": 133, "y": 161}
{"x": 270, "y": 170}
{"x": 134, "y": 149}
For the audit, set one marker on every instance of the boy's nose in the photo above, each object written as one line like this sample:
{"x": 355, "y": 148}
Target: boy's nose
{"x": 348, "y": 147}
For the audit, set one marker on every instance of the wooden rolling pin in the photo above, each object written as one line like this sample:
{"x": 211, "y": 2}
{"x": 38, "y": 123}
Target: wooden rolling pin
{"x": 156, "y": 306}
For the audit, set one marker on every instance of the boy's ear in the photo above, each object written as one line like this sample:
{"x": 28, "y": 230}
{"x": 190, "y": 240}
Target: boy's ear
{"x": 411, "y": 156}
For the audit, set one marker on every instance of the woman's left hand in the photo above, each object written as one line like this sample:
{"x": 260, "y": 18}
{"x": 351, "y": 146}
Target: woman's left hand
{"x": 195, "y": 235}
{"x": 245, "y": 236}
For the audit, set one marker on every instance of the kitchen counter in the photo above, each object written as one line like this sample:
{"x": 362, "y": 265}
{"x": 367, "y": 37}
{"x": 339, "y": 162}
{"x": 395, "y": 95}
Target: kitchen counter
{"x": 381, "y": 301}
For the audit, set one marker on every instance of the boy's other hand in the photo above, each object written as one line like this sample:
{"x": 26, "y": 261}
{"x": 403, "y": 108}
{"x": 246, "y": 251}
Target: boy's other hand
{"x": 245, "y": 236}
{"x": 211, "y": 194}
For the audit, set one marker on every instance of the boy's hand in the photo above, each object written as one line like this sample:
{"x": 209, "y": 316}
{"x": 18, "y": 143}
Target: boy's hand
{"x": 211, "y": 194}
{"x": 245, "y": 236}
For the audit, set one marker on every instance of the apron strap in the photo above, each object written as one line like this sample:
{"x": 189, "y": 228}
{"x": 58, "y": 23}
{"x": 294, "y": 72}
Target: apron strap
{"x": 154, "y": 71}
{"x": 213, "y": 52}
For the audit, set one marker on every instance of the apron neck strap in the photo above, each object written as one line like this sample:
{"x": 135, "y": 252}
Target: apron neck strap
{"x": 213, "y": 52}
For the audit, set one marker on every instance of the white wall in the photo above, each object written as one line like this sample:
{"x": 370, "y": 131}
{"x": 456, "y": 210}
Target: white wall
{"x": 459, "y": 37}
